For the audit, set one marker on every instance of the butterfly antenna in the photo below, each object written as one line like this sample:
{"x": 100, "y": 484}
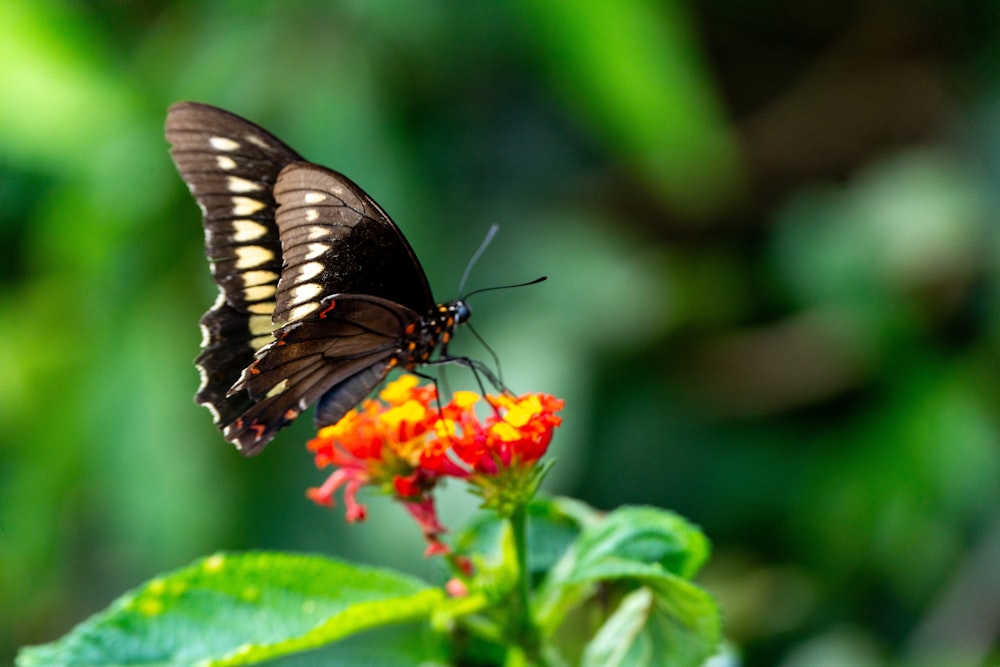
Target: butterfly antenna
{"x": 475, "y": 257}
{"x": 540, "y": 279}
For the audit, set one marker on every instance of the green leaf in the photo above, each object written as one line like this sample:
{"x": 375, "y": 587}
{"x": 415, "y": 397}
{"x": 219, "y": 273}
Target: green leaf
{"x": 236, "y": 609}
{"x": 630, "y": 550}
{"x": 669, "y": 624}
{"x": 635, "y": 541}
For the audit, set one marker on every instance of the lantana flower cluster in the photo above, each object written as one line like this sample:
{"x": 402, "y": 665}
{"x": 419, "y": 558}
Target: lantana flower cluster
{"x": 403, "y": 444}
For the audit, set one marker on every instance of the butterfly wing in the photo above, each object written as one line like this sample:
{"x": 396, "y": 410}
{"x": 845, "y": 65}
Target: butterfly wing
{"x": 336, "y": 356}
{"x": 350, "y": 287}
{"x": 230, "y": 165}
{"x": 336, "y": 240}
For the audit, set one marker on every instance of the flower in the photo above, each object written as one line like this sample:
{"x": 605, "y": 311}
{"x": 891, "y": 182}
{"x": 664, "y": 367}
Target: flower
{"x": 517, "y": 434}
{"x": 404, "y": 444}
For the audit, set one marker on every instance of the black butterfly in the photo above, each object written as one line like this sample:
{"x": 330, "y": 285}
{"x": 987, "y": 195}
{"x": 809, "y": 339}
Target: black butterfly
{"x": 321, "y": 295}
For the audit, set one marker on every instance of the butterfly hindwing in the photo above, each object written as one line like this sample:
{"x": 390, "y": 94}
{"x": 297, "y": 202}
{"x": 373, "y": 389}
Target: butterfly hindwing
{"x": 338, "y": 356}
{"x": 227, "y": 349}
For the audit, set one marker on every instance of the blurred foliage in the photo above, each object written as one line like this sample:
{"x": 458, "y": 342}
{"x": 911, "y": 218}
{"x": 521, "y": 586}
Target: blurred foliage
{"x": 770, "y": 230}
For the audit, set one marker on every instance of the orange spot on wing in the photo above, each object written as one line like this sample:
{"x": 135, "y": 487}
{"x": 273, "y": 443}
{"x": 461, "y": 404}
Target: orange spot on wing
{"x": 333, "y": 304}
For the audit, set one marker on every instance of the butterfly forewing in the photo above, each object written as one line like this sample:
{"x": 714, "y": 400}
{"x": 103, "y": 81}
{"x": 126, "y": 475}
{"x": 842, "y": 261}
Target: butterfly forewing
{"x": 231, "y": 165}
{"x": 335, "y": 239}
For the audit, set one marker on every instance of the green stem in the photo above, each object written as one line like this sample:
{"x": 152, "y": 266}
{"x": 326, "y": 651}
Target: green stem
{"x": 525, "y": 628}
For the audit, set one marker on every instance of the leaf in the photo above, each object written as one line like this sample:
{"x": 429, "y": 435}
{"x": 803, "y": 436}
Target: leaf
{"x": 636, "y": 542}
{"x": 669, "y": 624}
{"x": 639, "y": 540}
{"x": 630, "y": 550}
{"x": 237, "y": 609}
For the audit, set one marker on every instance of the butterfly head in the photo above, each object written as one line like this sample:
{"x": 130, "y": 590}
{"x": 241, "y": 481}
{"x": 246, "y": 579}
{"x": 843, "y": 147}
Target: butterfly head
{"x": 460, "y": 311}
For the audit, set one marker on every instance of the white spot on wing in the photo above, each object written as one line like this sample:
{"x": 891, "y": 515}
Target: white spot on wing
{"x": 257, "y": 141}
{"x": 251, "y": 278}
{"x": 278, "y": 388}
{"x": 249, "y": 256}
{"x": 216, "y": 417}
{"x": 237, "y": 184}
{"x": 313, "y": 197}
{"x": 260, "y": 325}
{"x": 302, "y": 293}
{"x": 314, "y": 250}
{"x": 317, "y": 232}
{"x": 203, "y": 374}
{"x": 312, "y": 215}
{"x": 223, "y": 144}
{"x": 225, "y": 162}
{"x": 265, "y": 308}
{"x": 259, "y": 293}
{"x": 301, "y": 311}
{"x": 247, "y": 230}
{"x": 228, "y": 432}
{"x": 308, "y": 271}
{"x": 246, "y": 206}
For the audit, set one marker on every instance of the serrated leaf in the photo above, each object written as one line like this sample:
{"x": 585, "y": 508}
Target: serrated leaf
{"x": 669, "y": 624}
{"x": 236, "y": 609}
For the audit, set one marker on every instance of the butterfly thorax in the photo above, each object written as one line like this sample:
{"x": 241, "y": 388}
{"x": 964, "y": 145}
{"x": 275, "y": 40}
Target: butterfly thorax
{"x": 431, "y": 332}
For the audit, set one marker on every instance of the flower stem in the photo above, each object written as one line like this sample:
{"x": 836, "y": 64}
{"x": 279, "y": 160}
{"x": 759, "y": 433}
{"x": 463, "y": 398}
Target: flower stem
{"x": 524, "y": 625}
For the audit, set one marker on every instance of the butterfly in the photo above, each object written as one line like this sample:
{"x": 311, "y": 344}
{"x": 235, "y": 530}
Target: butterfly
{"x": 320, "y": 296}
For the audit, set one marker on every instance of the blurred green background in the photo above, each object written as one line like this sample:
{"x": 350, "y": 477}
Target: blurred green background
{"x": 770, "y": 231}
